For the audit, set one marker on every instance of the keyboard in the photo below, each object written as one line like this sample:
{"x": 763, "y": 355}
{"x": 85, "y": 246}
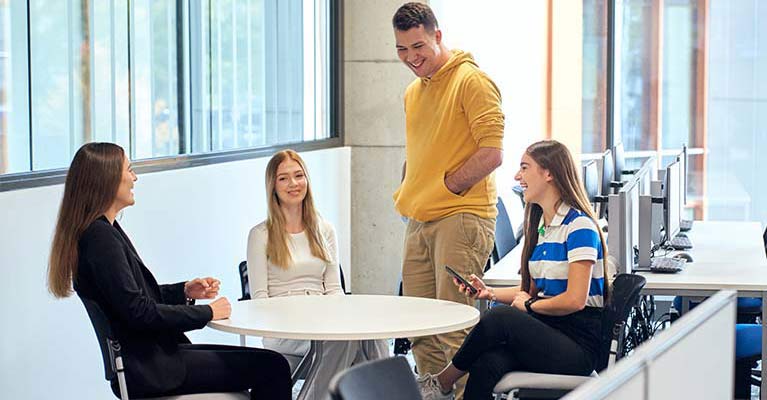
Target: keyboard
{"x": 666, "y": 265}
{"x": 685, "y": 225}
{"x": 680, "y": 243}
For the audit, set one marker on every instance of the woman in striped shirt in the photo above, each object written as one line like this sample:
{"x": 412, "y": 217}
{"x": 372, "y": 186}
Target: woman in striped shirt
{"x": 552, "y": 322}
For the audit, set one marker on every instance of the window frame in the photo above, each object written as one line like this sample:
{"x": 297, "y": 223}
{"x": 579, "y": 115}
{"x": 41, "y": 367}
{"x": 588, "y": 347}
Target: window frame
{"x": 33, "y": 179}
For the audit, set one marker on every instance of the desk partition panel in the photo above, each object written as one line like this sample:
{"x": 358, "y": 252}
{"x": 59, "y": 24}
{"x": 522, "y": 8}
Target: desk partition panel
{"x": 693, "y": 359}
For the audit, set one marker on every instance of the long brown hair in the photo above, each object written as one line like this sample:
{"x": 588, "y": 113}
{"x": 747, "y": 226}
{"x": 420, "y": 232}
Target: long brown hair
{"x": 556, "y": 158}
{"x": 90, "y": 189}
{"x": 277, "y": 251}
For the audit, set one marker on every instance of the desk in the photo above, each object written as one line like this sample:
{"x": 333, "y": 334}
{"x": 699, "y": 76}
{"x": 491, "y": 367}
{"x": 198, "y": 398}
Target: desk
{"x": 727, "y": 255}
{"x": 354, "y": 317}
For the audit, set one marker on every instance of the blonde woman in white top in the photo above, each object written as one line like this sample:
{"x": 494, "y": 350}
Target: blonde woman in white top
{"x": 294, "y": 253}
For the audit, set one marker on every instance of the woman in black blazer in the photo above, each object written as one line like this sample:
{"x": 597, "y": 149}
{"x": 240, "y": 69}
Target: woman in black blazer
{"x": 92, "y": 254}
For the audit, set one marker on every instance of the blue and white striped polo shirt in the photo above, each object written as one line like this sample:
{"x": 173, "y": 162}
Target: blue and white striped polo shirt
{"x": 572, "y": 236}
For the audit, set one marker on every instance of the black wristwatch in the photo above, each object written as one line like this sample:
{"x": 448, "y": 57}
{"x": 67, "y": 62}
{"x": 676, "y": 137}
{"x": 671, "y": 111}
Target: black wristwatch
{"x": 529, "y": 303}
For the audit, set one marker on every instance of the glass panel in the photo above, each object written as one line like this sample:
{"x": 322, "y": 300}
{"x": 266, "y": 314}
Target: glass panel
{"x": 261, "y": 91}
{"x": 79, "y": 85}
{"x": 594, "y": 76}
{"x": 737, "y": 111}
{"x": 154, "y": 79}
{"x": 60, "y": 76}
{"x": 680, "y": 73}
{"x": 111, "y": 71}
{"x": 633, "y": 74}
{"x": 14, "y": 101}
{"x": 679, "y": 35}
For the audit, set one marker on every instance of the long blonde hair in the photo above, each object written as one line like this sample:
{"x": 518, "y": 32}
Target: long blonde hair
{"x": 277, "y": 251}
{"x": 556, "y": 158}
{"x": 90, "y": 189}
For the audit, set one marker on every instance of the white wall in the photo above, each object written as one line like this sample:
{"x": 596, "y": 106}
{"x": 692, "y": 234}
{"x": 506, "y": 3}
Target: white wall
{"x": 186, "y": 223}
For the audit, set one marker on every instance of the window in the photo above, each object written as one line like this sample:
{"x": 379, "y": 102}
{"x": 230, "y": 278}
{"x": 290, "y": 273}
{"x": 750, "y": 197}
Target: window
{"x": 161, "y": 78}
{"x": 594, "y": 128}
{"x": 14, "y": 101}
{"x": 735, "y": 139}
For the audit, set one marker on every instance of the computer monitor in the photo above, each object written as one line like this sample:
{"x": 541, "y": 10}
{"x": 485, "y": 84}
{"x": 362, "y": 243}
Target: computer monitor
{"x": 672, "y": 201}
{"x": 624, "y": 225}
{"x": 619, "y": 162}
{"x": 608, "y": 168}
{"x": 608, "y": 173}
{"x": 646, "y": 174}
{"x": 591, "y": 180}
{"x": 684, "y": 167}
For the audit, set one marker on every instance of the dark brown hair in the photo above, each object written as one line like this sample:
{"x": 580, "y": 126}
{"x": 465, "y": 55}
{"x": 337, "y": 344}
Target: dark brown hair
{"x": 411, "y": 15}
{"x": 90, "y": 189}
{"x": 556, "y": 158}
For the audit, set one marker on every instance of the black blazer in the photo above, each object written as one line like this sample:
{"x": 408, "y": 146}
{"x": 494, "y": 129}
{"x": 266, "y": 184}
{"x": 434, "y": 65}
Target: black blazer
{"x": 148, "y": 319}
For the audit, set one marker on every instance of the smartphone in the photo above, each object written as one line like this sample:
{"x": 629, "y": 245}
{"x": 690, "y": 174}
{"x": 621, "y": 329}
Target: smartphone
{"x": 466, "y": 283}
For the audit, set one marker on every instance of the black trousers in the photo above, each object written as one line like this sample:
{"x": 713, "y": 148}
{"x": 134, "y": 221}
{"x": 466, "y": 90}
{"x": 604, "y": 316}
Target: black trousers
{"x": 219, "y": 368}
{"x": 505, "y": 340}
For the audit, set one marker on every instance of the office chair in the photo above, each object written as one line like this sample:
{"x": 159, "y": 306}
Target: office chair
{"x": 531, "y": 385}
{"x": 245, "y": 284}
{"x": 520, "y": 192}
{"x": 764, "y": 238}
{"x": 388, "y": 378}
{"x": 505, "y": 237}
{"x": 113, "y": 362}
{"x": 748, "y": 351}
{"x": 749, "y": 309}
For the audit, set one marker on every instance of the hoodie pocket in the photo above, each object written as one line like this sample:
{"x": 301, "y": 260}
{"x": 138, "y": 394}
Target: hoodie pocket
{"x": 448, "y": 192}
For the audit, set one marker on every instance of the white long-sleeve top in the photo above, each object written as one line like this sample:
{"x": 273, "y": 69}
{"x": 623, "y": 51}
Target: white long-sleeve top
{"x": 308, "y": 275}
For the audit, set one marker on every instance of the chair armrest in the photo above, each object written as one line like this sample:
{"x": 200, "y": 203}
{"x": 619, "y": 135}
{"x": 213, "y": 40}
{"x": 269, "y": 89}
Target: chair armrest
{"x": 532, "y": 380}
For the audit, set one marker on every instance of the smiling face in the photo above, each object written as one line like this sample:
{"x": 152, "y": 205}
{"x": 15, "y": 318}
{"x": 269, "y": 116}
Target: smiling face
{"x": 291, "y": 183}
{"x": 421, "y": 50}
{"x": 124, "y": 196}
{"x": 534, "y": 179}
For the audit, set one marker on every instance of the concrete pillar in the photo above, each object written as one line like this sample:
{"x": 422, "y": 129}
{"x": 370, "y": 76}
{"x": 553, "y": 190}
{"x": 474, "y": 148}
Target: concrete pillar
{"x": 374, "y": 84}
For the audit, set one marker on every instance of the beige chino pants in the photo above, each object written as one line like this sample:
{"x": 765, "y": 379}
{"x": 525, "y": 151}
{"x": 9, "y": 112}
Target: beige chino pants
{"x": 462, "y": 241}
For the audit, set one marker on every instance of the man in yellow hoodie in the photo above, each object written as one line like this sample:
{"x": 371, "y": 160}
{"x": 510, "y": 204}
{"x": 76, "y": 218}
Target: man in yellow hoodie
{"x": 454, "y": 132}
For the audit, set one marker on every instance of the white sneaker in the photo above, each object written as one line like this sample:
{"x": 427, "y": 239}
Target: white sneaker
{"x": 431, "y": 389}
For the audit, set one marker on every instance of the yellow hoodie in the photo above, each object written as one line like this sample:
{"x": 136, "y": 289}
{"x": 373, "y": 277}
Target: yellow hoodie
{"x": 448, "y": 118}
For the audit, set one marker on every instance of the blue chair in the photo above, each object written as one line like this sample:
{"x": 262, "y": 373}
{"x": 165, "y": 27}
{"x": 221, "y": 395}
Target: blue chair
{"x": 749, "y": 309}
{"x": 748, "y": 351}
{"x": 505, "y": 237}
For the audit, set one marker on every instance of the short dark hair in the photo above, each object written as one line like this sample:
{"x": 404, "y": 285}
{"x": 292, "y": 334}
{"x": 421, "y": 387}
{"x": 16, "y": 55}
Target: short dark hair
{"x": 411, "y": 15}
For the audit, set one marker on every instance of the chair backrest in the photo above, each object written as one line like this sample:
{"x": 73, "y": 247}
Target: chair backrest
{"x": 388, "y": 378}
{"x": 505, "y": 238}
{"x": 245, "y": 284}
{"x": 520, "y": 192}
{"x": 110, "y": 347}
{"x": 624, "y": 296}
{"x": 343, "y": 281}
{"x": 764, "y": 238}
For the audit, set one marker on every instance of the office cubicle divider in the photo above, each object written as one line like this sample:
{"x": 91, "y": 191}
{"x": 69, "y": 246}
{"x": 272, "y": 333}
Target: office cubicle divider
{"x": 692, "y": 359}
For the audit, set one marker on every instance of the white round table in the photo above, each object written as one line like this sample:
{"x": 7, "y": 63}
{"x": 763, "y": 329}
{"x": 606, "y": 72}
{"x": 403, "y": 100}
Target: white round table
{"x": 352, "y": 317}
